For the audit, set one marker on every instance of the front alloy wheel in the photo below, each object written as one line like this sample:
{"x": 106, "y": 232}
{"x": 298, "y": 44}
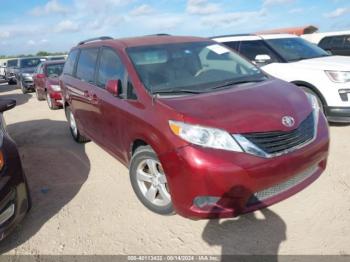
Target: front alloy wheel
{"x": 149, "y": 181}
{"x": 49, "y": 102}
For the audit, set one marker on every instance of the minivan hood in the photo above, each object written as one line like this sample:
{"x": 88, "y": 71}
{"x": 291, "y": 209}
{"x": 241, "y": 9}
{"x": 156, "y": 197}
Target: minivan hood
{"x": 336, "y": 63}
{"x": 253, "y": 107}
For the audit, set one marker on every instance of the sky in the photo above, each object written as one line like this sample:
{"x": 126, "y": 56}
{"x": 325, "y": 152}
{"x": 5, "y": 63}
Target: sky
{"x": 28, "y": 26}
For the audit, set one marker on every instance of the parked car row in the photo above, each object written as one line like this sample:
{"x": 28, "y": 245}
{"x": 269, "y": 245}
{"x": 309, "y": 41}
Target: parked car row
{"x": 20, "y": 71}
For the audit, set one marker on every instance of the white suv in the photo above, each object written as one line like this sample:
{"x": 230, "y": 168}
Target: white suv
{"x": 295, "y": 60}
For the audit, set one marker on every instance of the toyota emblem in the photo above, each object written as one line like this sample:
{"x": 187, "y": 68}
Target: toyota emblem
{"x": 288, "y": 121}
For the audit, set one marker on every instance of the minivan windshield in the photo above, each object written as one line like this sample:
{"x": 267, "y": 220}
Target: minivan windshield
{"x": 30, "y": 62}
{"x": 195, "y": 67}
{"x": 295, "y": 49}
{"x": 54, "y": 70}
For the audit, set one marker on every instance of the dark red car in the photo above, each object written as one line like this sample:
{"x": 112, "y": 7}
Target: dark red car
{"x": 14, "y": 194}
{"x": 46, "y": 83}
{"x": 203, "y": 131}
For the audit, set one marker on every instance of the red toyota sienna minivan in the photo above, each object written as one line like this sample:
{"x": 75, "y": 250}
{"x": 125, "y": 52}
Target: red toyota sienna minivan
{"x": 203, "y": 132}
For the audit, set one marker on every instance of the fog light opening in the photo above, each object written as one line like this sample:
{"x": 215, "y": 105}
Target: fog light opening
{"x": 204, "y": 201}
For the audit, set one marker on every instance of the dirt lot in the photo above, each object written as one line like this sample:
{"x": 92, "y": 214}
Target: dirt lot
{"x": 83, "y": 202}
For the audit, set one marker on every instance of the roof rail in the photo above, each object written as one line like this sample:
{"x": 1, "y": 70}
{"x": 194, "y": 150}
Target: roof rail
{"x": 161, "y": 34}
{"x": 95, "y": 39}
{"x": 219, "y": 36}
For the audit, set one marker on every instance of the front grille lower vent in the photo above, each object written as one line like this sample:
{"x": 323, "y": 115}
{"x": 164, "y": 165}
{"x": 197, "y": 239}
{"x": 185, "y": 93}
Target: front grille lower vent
{"x": 278, "y": 141}
{"x": 282, "y": 187}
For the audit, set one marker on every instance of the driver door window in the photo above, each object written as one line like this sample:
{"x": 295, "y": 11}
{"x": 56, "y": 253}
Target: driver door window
{"x": 111, "y": 68}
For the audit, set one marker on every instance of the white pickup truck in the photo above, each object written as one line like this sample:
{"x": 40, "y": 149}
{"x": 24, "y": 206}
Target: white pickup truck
{"x": 296, "y": 60}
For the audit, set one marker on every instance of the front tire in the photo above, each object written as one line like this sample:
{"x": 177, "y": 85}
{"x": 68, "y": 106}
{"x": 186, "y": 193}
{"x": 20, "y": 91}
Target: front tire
{"x": 24, "y": 90}
{"x": 50, "y": 103}
{"x": 38, "y": 96}
{"x": 74, "y": 128}
{"x": 149, "y": 181}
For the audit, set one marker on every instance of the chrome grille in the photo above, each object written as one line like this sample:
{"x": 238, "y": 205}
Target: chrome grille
{"x": 278, "y": 141}
{"x": 282, "y": 187}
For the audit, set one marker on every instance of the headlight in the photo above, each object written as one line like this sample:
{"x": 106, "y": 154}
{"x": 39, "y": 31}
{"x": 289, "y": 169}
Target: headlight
{"x": 204, "y": 136}
{"x": 339, "y": 76}
{"x": 313, "y": 101}
{"x": 56, "y": 88}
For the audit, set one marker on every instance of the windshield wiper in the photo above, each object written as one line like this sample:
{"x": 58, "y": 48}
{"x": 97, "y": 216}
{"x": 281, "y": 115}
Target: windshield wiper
{"x": 176, "y": 91}
{"x": 304, "y": 58}
{"x": 237, "y": 82}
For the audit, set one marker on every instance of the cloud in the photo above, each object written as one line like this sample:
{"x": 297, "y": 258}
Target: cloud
{"x": 277, "y": 2}
{"x": 4, "y": 34}
{"x": 51, "y": 7}
{"x": 142, "y": 10}
{"x": 296, "y": 11}
{"x": 67, "y": 26}
{"x": 233, "y": 18}
{"x": 99, "y": 6}
{"x": 31, "y": 42}
{"x": 338, "y": 12}
{"x": 202, "y": 7}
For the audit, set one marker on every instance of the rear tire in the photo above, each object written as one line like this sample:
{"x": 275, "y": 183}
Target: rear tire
{"x": 74, "y": 128}
{"x": 149, "y": 181}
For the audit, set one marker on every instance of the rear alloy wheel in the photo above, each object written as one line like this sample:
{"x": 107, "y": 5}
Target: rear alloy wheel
{"x": 149, "y": 181}
{"x": 49, "y": 102}
{"x": 74, "y": 128}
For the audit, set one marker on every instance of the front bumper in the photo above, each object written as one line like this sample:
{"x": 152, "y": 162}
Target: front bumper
{"x": 338, "y": 114}
{"x": 27, "y": 83}
{"x": 238, "y": 179}
{"x": 13, "y": 190}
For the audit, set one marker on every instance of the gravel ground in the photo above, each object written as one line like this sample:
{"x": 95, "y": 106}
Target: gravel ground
{"x": 83, "y": 202}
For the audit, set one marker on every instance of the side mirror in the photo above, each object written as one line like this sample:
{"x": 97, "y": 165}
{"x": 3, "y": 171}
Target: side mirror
{"x": 40, "y": 76}
{"x": 262, "y": 59}
{"x": 7, "y": 104}
{"x": 114, "y": 87}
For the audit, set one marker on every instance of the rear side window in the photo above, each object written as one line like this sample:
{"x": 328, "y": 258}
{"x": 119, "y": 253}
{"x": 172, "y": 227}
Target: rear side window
{"x": 251, "y": 49}
{"x": 232, "y": 45}
{"x": 111, "y": 67}
{"x": 347, "y": 41}
{"x": 337, "y": 42}
{"x": 70, "y": 63}
{"x": 325, "y": 43}
{"x": 87, "y": 64}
